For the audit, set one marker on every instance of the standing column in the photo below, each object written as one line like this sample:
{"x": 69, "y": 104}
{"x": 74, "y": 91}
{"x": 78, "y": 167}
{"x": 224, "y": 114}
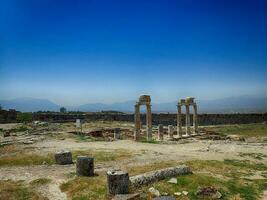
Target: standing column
{"x": 137, "y": 122}
{"x": 187, "y": 120}
{"x": 160, "y": 132}
{"x": 179, "y": 120}
{"x": 195, "y": 122}
{"x": 170, "y": 131}
{"x": 149, "y": 122}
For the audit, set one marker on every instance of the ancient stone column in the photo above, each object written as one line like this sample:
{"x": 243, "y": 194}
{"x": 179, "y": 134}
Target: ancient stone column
{"x": 149, "y": 122}
{"x": 117, "y": 182}
{"x": 195, "y": 121}
{"x": 160, "y": 132}
{"x": 137, "y": 122}
{"x": 85, "y": 166}
{"x": 117, "y": 133}
{"x": 187, "y": 120}
{"x": 63, "y": 158}
{"x": 170, "y": 131}
{"x": 179, "y": 120}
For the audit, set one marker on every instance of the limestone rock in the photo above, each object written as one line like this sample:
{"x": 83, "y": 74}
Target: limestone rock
{"x": 135, "y": 196}
{"x": 85, "y": 166}
{"x": 164, "y": 198}
{"x": 173, "y": 180}
{"x": 118, "y": 182}
{"x": 177, "y": 193}
{"x": 63, "y": 157}
{"x": 157, "y": 175}
{"x": 185, "y": 193}
{"x": 154, "y": 191}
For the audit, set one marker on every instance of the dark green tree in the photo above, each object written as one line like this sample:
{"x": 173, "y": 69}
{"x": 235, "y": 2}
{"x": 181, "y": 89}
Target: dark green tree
{"x": 63, "y": 110}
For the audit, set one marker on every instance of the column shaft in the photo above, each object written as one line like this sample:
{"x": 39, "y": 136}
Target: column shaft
{"x": 179, "y": 120}
{"x": 149, "y": 122}
{"x": 187, "y": 120}
{"x": 137, "y": 122}
{"x": 195, "y": 120}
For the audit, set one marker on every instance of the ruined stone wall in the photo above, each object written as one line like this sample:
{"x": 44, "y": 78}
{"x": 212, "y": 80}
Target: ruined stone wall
{"x": 165, "y": 119}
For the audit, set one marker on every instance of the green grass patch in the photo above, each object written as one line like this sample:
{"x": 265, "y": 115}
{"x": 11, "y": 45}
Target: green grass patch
{"x": 246, "y": 164}
{"x": 258, "y": 156}
{"x": 18, "y": 191}
{"x": 151, "y": 141}
{"x": 25, "y": 159}
{"x": 85, "y": 188}
{"x": 246, "y": 130}
{"x": 103, "y": 155}
{"x": 40, "y": 181}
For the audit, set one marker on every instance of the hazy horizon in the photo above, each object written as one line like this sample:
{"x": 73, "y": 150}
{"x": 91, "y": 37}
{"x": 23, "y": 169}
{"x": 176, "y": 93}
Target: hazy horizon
{"x": 74, "y": 53}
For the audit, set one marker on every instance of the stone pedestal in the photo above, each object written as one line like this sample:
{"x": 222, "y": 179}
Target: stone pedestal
{"x": 85, "y": 166}
{"x": 63, "y": 158}
{"x": 160, "y": 132}
{"x": 117, "y": 182}
{"x": 170, "y": 131}
{"x": 117, "y": 133}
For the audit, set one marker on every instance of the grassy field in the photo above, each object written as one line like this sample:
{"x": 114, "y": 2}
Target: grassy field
{"x": 22, "y": 158}
{"x": 228, "y": 176}
{"x": 246, "y": 130}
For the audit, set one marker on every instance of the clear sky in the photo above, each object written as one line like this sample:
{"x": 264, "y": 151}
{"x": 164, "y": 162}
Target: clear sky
{"x": 84, "y": 51}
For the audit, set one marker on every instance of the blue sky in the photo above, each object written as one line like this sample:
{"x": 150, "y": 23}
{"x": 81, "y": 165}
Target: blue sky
{"x": 75, "y": 52}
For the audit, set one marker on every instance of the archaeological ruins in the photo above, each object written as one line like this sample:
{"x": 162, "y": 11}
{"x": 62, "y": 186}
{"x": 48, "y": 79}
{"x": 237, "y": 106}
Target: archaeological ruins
{"x": 187, "y": 102}
{"x": 143, "y": 100}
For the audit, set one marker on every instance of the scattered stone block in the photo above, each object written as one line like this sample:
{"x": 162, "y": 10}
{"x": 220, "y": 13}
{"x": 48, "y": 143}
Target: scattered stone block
{"x": 117, "y": 133}
{"x": 85, "y": 166}
{"x": 135, "y": 196}
{"x": 177, "y": 193}
{"x": 63, "y": 158}
{"x": 185, "y": 193}
{"x": 173, "y": 180}
{"x": 153, "y": 176}
{"x": 154, "y": 191}
{"x": 164, "y": 198}
{"x": 117, "y": 182}
{"x": 208, "y": 192}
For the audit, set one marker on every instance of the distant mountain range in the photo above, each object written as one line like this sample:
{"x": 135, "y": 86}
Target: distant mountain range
{"x": 244, "y": 104}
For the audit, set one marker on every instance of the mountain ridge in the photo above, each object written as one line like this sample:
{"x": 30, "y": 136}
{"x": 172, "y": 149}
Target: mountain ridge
{"x": 242, "y": 104}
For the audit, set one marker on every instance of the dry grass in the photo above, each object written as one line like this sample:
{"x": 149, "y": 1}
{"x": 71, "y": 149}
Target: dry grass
{"x": 10, "y": 190}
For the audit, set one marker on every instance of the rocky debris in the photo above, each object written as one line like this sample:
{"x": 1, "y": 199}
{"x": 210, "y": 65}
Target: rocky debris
{"x": 85, "y": 166}
{"x": 63, "y": 158}
{"x": 118, "y": 182}
{"x": 96, "y": 133}
{"x": 236, "y": 138}
{"x": 185, "y": 193}
{"x": 7, "y": 133}
{"x": 135, "y": 196}
{"x": 177, "y": 193}
{"x": 173, "y": 180}
{"x": 164, "y": 198}
{"x": 157, "y": 175}
{"x": 154, "y": 192}
{"x": 208, "y": 192}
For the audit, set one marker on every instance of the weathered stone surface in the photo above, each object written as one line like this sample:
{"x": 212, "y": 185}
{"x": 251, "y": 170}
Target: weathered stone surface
{"x": 154, "y": 176}
{"x": 208, "y": 192}
{"x": 117, "y": 182}
{"x": 85, "y": 166}
{"x": 117, "y": 133}
{"x": 63, "y": 157}
{"x": 164, "y": 198}
{"x": 135, "y": 196}
{"x": 160, "y": 132}
{"x": 173, "y": 180}
{"x": 170, "y": 131}
{"x": 154, "y": 192}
